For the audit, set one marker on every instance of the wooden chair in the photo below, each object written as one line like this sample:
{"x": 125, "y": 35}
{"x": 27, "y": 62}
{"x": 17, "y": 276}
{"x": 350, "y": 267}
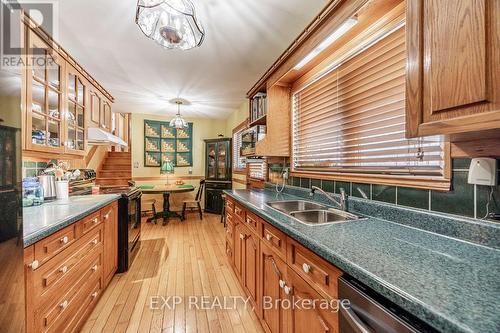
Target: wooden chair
{"x": 193, "y": 205}
{"x": 151, "y": 203}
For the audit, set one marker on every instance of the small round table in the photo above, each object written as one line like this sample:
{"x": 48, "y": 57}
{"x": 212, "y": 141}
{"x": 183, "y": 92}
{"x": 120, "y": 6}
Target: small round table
{"x": 166, "y": 190}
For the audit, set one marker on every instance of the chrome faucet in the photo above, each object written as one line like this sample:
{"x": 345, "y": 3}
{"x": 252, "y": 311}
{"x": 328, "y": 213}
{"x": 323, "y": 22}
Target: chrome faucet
{"x": 343, "y": 197}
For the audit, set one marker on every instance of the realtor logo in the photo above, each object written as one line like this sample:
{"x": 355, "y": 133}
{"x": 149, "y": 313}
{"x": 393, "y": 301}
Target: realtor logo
{"x": 13, "y": 53}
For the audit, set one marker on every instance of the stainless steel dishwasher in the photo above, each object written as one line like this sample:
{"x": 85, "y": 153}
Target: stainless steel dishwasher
{"x": 371, "y": 313}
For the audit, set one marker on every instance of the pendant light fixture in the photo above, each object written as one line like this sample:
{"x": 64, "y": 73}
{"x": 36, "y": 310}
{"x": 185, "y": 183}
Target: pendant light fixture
{"x": 178, "y": 121}
{"x": 171, "y": 23}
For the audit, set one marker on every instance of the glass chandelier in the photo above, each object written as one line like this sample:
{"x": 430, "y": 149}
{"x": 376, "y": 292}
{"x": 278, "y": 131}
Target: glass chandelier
{"x": 171, "y": 23}
{"x": 178, "y": 121}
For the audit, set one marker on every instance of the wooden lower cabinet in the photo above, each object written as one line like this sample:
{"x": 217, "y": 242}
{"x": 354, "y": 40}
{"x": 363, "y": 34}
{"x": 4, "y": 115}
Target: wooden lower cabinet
{"x": 275, "y": 279}
{"x": 250, "y": 265}
{"x": 272, "y": 275}
{"x": 109, "y": 216}
{"x": 304, "y": 317}
{"x": 64, "y": 282}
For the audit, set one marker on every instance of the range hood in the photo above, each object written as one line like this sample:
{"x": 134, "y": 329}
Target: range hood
{"x": 97, "y": 136}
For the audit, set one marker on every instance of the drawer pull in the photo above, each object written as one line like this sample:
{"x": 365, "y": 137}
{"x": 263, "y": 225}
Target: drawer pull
{"x": 34, "y": 264}
{"x": 95, "y": 220}
{"x": 282, "y": 284}
{"x": 94, "y": 294}
{"x": 269, "y": 237}
{"x": 64, "y": 305}
{"x": 95, "y": 241}
{"x": 63, "y": 269}
{"x": 64, "y": 240}
{"x": 288, "y": 290}
{"x": 306, "y": 268}
{"x": 94, "y": 268}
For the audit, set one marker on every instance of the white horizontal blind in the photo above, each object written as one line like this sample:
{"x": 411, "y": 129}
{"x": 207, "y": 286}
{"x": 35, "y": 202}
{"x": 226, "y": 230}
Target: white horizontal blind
{"x": 238, "y": 160}
{"x": 352, "y": 119}
{"x": 257, "y": 169}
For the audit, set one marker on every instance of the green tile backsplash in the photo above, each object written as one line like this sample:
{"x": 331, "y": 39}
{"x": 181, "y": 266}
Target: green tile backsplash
{"x": 463, "y": 199}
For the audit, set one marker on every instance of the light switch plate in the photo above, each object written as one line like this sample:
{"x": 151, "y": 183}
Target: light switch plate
{"x": 483, "y": 171}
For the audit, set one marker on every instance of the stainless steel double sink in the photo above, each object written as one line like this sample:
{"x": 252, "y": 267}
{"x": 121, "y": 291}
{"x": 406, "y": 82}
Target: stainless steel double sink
{"x": 311, "y": 213}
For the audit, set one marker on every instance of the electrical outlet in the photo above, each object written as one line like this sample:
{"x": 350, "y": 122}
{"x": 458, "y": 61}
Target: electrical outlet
{"x": 136, "y": 165}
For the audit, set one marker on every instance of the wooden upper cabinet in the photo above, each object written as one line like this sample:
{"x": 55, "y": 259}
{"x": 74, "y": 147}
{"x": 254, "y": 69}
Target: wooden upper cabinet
{"x": 453, "y": 61}
{"x": 44, "y": 101}
{"x": 95, "y": 109}
{"x": 277, "y": 139}
{"x": 105, "y": 118}
{"x": 77, "y": 106}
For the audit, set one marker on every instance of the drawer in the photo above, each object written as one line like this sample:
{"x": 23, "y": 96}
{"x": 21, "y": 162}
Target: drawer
{"x": 274, "y": 238}
{"x": 87, "y": 304}
{"x": 253, "y": 222}
{"x": 314, "y": 269}
{"x": 53, "y": 317}
{"x": 90, "y": 222}
{"x": 58, "y": 274}
{"x": 239, "y": 212}
{"x": 54, "y": 244}
{"x": 229, "y": 205}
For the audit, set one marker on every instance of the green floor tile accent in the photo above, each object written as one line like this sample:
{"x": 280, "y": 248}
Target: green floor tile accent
{"x": 328, "y": 186}
{"x": 345, "y": 185}
{"x": 364, "y": 187}
{"x": 384, "y": 193}
{"x": 459, "y": 201}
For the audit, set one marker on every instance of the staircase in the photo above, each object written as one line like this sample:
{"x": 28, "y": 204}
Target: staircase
{"x": 116, "y": 170}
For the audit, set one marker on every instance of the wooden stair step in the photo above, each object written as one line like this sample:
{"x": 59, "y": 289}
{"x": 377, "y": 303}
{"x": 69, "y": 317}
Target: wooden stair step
{"x": 117, "y": 153}
{"x": 112, "y": 181}
{"x": 120, "y": 167}
{"x": 114, "y": 173}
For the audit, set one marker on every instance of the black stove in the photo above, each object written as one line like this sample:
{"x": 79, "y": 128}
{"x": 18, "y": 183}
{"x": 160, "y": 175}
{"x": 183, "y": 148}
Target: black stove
{"x": 129, "y": 224}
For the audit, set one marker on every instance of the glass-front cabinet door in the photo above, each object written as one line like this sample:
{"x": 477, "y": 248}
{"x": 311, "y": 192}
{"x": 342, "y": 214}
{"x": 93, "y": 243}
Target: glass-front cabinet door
{"x": 44, "y": 98}
{"x": 212, "y": 161}
{"x": 106, "y": 116}
{"x": 222, "y": 150}
{"x": 75, "y": 116}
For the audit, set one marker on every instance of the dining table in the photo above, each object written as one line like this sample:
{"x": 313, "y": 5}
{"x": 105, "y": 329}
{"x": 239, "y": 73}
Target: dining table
{"x": 165, "y": 190}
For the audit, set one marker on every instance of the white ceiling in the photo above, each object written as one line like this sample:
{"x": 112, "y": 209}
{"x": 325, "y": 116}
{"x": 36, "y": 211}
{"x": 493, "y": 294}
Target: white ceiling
{"x": 243, "y": 38}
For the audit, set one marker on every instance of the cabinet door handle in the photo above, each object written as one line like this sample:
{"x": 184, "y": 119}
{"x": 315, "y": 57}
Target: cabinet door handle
{"x": 94, "y": 268}
{"x": 34, "y": 264}
{"x": 269, "y": 237}
{"x": 282, "y": 284}
{"x": 242, "y": 236}
{"x": 107, "y": 215}
{"x": 306, "y": 268}
{"x": 288, "y": 290}
{"x": 63, "y": 269}
{"x": 64, "y": 240}
{"x": 64, "y": 305}
{"x": 95, "y": 241}
{"x": 94, "y": 294}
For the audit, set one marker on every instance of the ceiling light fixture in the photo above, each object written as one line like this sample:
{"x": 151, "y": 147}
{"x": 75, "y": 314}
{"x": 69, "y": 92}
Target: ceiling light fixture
{"x": 345, "y": 27}
{"x": 178, "y": 121}
{"x": 171, "y": 23}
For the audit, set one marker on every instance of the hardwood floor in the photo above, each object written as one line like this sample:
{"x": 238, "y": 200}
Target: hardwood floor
{"x": 180, "y": 259}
